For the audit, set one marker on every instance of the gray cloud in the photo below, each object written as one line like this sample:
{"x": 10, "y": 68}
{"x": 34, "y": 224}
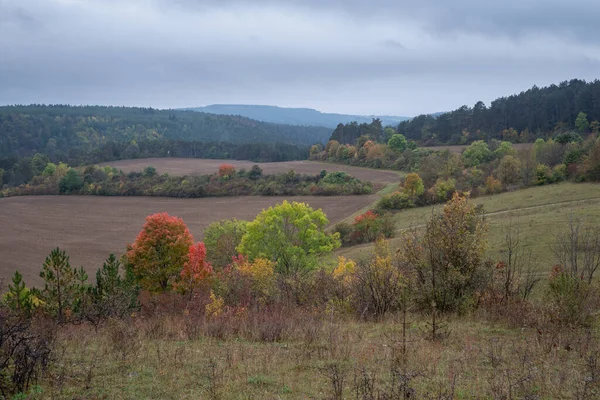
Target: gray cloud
{"x": 346, "y": 56}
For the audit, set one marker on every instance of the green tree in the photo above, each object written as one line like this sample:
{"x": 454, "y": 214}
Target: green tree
{"x": 508, "y": 170}
{"x": 504, "y": 149}
{"x": 116, "y": 290}
{"x": 477, "y": 153}
{"x": 149, "y": 171}
{"x": 255, "y": 173}
{"x": 49, "y": 170}
{"x": 581, "y": 122}
{"x": 397, "y": 143}
{"x": 38, "y": 163}
{"x": 221, "y": 239}
{"x": 18, "y": 297}
{"x": 63, "y": 285}
{"x": 291, "y": 234}
{"x": 71, "y": 182}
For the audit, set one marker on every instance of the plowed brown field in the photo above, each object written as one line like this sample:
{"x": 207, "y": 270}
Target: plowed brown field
{"x": 89, "y": 228}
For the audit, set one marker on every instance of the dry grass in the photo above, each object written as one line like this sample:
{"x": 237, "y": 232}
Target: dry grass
{"x": 539, "y": 213}
{"x": 161, "y": 358}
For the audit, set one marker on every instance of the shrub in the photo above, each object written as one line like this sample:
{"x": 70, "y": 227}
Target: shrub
{"x": 377, "y": 285}
{"x": 448, "y": 261}
{"x": 543, "y": 175}
{"x": 395, "y": 201}
{"x": 570, "y": 300}
{"x": 25, "y": 351}
{"x": 369, "y": 226}
{"x": 337, "y": 178}
{"x": 344, "y": 230}
{"x": 149, "y": 171}
{"x": 493, "y": 185}
{"x": 413, "y": 185}
{"x": 226, "y": 170}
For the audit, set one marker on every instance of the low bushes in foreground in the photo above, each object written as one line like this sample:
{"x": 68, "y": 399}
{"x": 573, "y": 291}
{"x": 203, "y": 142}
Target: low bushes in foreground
{"x": 433, "y": 318}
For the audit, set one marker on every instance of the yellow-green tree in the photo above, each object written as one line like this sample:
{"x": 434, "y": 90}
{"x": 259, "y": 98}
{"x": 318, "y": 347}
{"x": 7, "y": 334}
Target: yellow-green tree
{"x": 413, "y": 185}
{"x": 291, "y": 234}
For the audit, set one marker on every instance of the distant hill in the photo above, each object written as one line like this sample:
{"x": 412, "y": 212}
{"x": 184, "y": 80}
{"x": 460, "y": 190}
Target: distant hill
{"x": 294, "y": 116}
{"x": 27, "y": 129}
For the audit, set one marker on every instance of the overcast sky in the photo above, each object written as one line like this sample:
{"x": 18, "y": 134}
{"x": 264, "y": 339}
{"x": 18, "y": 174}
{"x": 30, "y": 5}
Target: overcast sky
{"x": 348, "y": 56}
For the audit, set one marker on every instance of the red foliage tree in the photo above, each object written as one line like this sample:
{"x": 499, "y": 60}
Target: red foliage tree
{"x": 366, "y": 227}
{"x": 160, "y": 251}
{"x": 226, "y": 170}
{"x": 195, "y": 270}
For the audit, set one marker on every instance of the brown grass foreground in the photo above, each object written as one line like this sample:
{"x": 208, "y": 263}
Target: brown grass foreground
{"x": 295, "y": 354}
{"x": 89, "y": 228}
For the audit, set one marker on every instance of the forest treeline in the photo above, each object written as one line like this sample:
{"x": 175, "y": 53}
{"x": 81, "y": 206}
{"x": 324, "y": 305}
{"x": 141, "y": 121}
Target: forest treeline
{"x": 524, "y": 117}
{"x": 91, "y": 134}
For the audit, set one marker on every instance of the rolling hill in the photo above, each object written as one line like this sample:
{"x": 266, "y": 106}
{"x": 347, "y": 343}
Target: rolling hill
{"x": 294, "y": 116}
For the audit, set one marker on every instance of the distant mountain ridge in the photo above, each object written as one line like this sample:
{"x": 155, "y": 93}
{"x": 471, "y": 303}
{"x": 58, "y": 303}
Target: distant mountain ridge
{"x": 294, "y": 116}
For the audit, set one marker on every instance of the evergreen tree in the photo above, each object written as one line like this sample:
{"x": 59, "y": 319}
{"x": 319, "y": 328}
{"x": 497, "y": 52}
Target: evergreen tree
{"x": 64, "y": 286}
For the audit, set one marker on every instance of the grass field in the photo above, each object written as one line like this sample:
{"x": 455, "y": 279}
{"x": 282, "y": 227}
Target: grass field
{"x": 192, "y": 166}
{"x": 539, "y": 213}
{"x": 167, "y": 359}
{"x": 90, "y": 228}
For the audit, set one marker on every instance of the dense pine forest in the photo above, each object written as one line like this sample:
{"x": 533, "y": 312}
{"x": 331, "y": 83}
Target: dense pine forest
{"x": 537, "y": 112}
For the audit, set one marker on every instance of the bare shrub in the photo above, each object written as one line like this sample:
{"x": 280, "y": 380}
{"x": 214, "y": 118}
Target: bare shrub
{"x": 378, "y": 284}
{"x": 123, "y": 338}
{"x": 577, "y": 248}
{"x": 25, "y": 351}
{"x": 335, "y": 372}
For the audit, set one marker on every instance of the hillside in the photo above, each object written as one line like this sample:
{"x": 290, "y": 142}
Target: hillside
{"x": 25, "y": 130}
{"x": 294, "y": 116}
{"x": 519, "y": 118}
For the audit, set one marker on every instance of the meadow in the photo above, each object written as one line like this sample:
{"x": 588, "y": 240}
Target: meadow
{"x": 538, "y": 213}
{"x": 313, "y": 351}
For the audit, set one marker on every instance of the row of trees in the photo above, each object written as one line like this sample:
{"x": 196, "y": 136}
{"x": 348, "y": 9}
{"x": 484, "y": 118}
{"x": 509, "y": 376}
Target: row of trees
{"x": 106, "y": 181}
{"x": 15, "y": 170}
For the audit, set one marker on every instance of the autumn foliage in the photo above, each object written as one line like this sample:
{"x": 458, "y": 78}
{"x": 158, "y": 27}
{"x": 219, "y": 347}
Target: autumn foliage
{"x": 195, "y": 270}
{"x": 160, "y": 251}
{"x": 226, "y": 170}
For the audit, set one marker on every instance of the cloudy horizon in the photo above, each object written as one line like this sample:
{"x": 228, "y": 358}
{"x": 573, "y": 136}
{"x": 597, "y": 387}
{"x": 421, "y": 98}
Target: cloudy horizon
{"x": 355, "y": 57}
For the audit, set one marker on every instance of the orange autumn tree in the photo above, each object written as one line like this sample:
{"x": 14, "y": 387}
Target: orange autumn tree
{"x": 160, "y": 251}
{"x": 195, "y": 270}
{"x": 226, "y": 170}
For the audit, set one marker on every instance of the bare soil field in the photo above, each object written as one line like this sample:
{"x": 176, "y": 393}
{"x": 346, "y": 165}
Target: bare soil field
{"x": 460, "y": 148}
{"x": 198, "y": 166}
{"x": 89, "y": 228}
